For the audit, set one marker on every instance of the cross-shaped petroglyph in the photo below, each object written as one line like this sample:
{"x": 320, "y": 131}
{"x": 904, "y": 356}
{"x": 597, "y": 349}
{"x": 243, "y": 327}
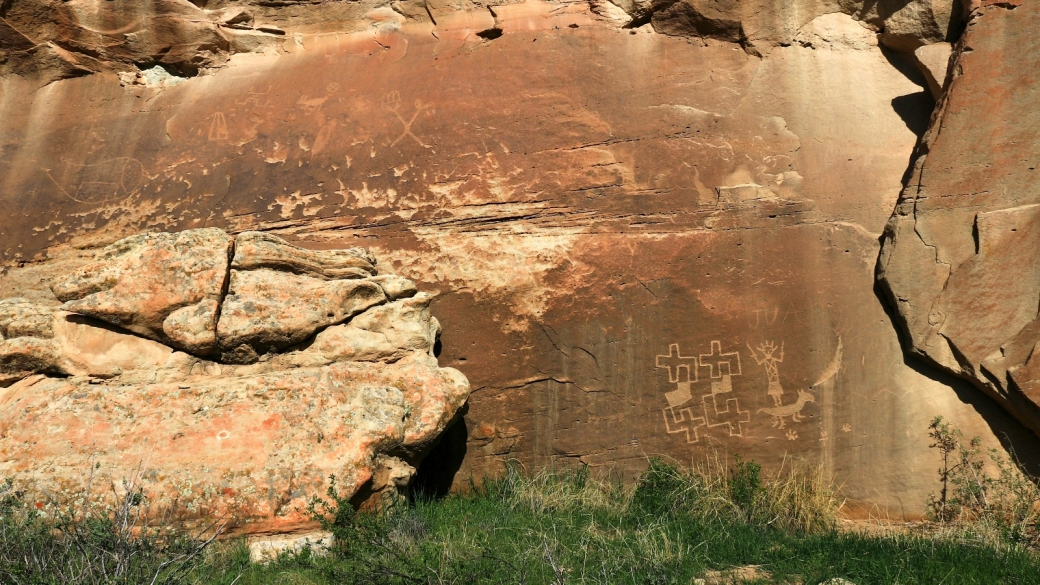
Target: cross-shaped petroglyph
{"x": 392, "y": 103}
{"x": 682, "y": 417}
{"x": 683, "y": 420}
{"x": 730, "y": 417}
{"x": 675, "y": 362}
{"x": 720, "y": 365}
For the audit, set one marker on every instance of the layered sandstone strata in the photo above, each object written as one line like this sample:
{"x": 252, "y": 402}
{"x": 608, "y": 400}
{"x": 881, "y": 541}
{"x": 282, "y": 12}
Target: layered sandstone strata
{"x": 654, "y": 225}
{"x": 247, "y": 443}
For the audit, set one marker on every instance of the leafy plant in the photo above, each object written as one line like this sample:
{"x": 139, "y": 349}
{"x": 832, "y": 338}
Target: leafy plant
{"x": 660, "y": 489}
{"x": 745, "y": 484}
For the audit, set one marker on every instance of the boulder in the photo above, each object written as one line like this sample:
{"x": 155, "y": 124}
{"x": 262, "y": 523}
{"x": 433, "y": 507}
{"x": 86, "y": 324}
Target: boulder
{"x": 384, "y": 333}
{"x": 261, "y": 250}
{"x": 249, "y": 444}
{"x": 140, "y": 282}
{"x": 934, "y": 61}
{"x": 266, "y": 310}
{"x": 39, "y": 338}
{"x": 251, "y": 450}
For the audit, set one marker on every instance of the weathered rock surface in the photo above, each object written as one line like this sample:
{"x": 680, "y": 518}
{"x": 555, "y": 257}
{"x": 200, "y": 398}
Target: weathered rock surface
{"x": 41, "y": 338}
{"x": 959, "y": 258}
{"x": 269, "y": 310}
{"x": 250, "y": 443}
{"x": 387, "y": 332}
{"x": 934, "y": 62}
{"x": 250, "y": 448}
{"x": 143, "y": 281}
{"x": 621, "y": 226}
{"x": 260, "y": 250}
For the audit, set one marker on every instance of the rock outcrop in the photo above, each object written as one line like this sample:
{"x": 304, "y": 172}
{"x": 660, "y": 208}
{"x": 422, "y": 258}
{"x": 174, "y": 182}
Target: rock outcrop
{"x": 654, "y": 229}
{"x": 249, "y": 443}
{"x": 959, "y": 257}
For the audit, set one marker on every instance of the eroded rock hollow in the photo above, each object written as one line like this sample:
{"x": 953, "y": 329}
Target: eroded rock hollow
{"x": 655, "y": 225}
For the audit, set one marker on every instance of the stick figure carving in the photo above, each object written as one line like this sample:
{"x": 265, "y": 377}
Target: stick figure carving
{"x": 392, "y": 103}
{"x": 769, "y": 360}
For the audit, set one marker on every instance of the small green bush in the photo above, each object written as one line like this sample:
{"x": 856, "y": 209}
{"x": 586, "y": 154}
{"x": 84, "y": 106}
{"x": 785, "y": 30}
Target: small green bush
{"x": 745, "y": 484}
{"x": 661, "y": 490}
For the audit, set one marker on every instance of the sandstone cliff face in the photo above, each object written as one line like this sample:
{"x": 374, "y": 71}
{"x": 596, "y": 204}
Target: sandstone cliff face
{"x": 88, "y": 405}
{"x": 654, "y": 226}
{"x": 959, "y": 254}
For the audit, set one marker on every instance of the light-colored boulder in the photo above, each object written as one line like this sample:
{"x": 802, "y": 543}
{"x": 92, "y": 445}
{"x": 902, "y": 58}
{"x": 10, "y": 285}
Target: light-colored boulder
{"x": 384, "y": 333}
{"x": 934, "y": 61}
{"x": 395, "y": 287}
{"x": 267, "y": 311}
{"x": 255, "y": 250}
{"x": 836, "y": 31}
{"x": 50, "y": 341}
{"x": 194, "y": 326}
{"x": 252, "y": 450}
{"x": 21, "y": 317}
{"x": 138, "y": 282}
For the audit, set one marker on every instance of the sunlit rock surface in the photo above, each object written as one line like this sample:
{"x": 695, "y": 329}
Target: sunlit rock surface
{"x": 654, "y": 226}
{"x": 86, "y": 402}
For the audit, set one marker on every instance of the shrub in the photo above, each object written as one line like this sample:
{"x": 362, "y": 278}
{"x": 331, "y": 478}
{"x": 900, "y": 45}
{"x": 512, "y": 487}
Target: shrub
{"x": 745, "y": 484}
{"x": 1008, "y": 503}
{"x": 662, "y": 489}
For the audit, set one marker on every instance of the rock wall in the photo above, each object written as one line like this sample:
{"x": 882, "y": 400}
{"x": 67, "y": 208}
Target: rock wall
{"x": 654, "y": 227}
{"x": 959, "y": 255}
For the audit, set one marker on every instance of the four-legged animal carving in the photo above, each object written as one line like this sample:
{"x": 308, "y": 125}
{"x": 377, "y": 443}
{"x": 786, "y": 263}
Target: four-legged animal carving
{"x": 792, "y": 410}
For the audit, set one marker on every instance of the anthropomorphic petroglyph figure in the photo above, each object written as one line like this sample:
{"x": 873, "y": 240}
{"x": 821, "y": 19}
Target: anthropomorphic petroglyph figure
{"x": 769, "y": 360}
{"x": 791, "y": 410}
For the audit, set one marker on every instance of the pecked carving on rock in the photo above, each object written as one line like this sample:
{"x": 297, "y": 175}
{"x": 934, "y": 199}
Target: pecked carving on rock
{"x": 252, "y": 442}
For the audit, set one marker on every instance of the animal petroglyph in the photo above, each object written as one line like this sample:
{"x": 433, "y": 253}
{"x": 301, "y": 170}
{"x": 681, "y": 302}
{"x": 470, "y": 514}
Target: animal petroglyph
{"x": 715, "y": 410}
{"x": 111, "y": 180}
{"x": 769, "y": 361}
{"x": 792, "y": 410}
{"x": 392, "y": 103}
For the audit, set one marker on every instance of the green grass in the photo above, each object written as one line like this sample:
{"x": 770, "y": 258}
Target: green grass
{"x": 567, "y": 528}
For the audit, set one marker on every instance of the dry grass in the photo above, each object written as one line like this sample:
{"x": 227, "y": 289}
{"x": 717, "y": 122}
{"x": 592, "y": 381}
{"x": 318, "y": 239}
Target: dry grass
{"x": 799, "y": 496}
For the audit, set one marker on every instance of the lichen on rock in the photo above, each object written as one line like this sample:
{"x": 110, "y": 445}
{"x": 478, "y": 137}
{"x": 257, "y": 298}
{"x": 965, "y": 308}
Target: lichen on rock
{"x": 252, "y": 441}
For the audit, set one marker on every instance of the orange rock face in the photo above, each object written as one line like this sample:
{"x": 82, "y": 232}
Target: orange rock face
{"x": 654, "y": 226}
{"x": 247, "y": 443}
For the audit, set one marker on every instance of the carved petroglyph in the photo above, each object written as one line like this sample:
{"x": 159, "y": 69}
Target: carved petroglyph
{"x": 769, "y": 361}
{"x": 675, "y": 362}
{"x": 107, "y": 181}
{"x": 218, "y": 128}
{"x": 392, "y": 103}
{"x": 715, "y": 410}
{"x": 763, "y": 317}
{"x": 792, "y": 410}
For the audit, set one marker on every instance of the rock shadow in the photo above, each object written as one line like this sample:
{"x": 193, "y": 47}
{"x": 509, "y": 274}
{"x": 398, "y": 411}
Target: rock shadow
{"x": 915, "y": 109}
{"x": 1017, "y": 439}
{"x": 436, "y": 473}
